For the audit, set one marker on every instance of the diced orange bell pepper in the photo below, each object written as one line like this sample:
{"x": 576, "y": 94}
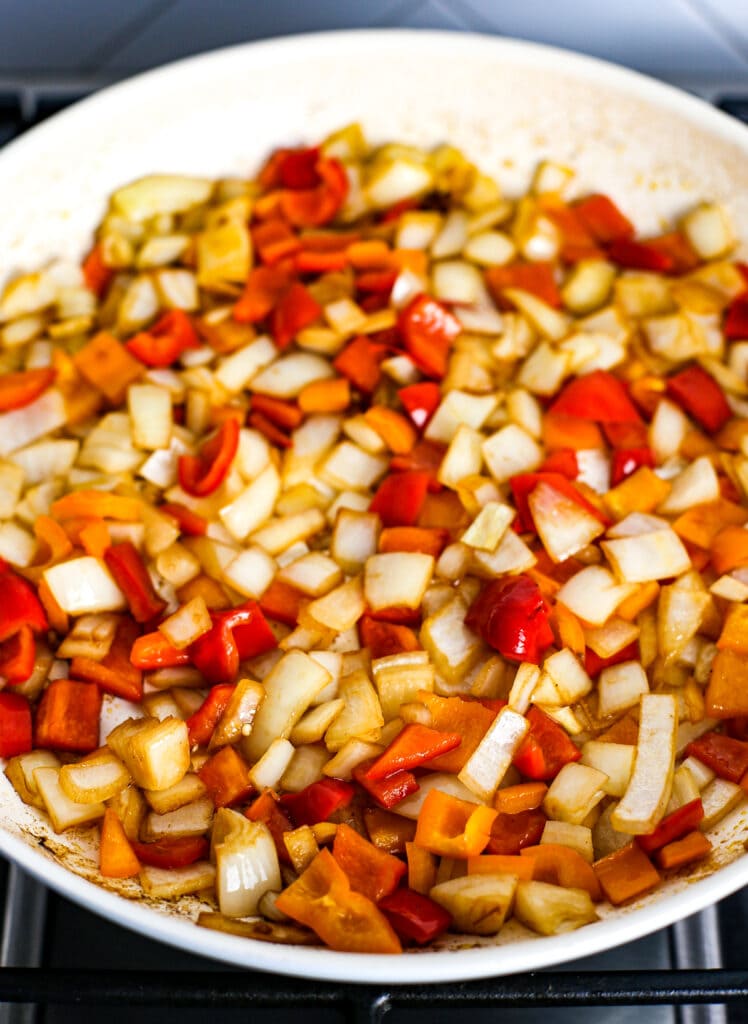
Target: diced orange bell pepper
{"x": 396, "y": 431}
{"x": 326, "y": 396}
{"x": 730, "y": 549}
{"x": 20, "y": 389}
{"x": 560, "y": 865}
{"x": 502, "y": 864}
{"x": 67, "y": 717}
{"x": 415, "y": 746}
{"x": 525, "y": 796}
{"x": 734, "y": 635}
{"x": 58, "y": 619}
{"x": 560, "y": 432}
{"x": 372, "y": 254}
{"x": 106, "y": 364}
{"x": 626, "y": 874}
{"x": 695, "y": 846}
{"x": 643, "y": 491}
{"x": 115, "y": 673}
{"x": 359, "y": 363}
{"x": 89, "y": 504}
{"x": 95, "y": 538}
{"x": 427, "y": 540}
{"x": 226, "y": 777}
{"x": 453, "y": 828}
{"x": 469, "y": 718}
{"x": 210, "y": 590}
{"x": 570, "y": 631}
{"x": 727, "y": 690}
{"x": 53, "y": 542}
{"x": 370, "y": 871}
{"x": 537, "y": 278}
{"x": 153, "y": 650}
{"x": 701, "y": 524}
{"x": 642, "y": 598}
{"x": 345, "y": 920}
{"x": 116, "y": 857}
{"x": 283, "y": 602}
{"x": 421, "y": 869}
{"x": 386, "y": 638}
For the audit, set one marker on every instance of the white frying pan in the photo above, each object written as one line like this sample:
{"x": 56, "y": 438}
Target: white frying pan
{"x": 508, "y": 105}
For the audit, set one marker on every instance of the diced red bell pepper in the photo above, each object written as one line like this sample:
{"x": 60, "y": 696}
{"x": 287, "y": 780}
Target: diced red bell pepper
{"x": 736, "y": 320}
{"x": 264, "y": 289}
{"x": 578, "y": 242}
{"x": 523, "y": 484}
{"x": 203, "y": 474}
{"x": 376, "y": 283}
{"x": 420, "y": 401}
{"x": 115, "y": 673}
{"x": 267, "y": 809}
{"x": 96, "y": 273}
{"x": 258, "y": 421}
{"x": 296, "y": 309}
{"x": 67, "y": 717}
{"x": 597, "y": 396}
{"x": 359, "y": 363}
{"x": 164, "y": 342}
{"x": 169, "y": 853}
{"x": 603, "y": 219}
{"x": 698, "y": 393}
{"x": 238, "y": 633}
{"x": 296, "y": 168}
{"x": 510, "y": 615}
{"x": 397, "y": 614}
{"x": 594, "y": 664}
{"x": 17, "y": 656}
{"x": 153, "y": 651}
{"x": 673, "y": 826}
{"x": 202, "y": 723}
{"x": 428, "y": 330}
{"x": 225, "y": 775}
{"x": 282, "y": 602}
{"x": 312, "y": 262}
{"x": 424, "y": 457}
{"x": 386, "y": 638}
{"x": 386, "y": 792}
{"x": 563, "y": 462}
{"x": 627, "y": 460}
{"x": 189, "y": 522}
{"x": 286, "y": 415}
{"x": 511, "y": 833}
{"x": 15, "y": 725}
{"x": 399, "y": 498}
{"x": 414, "y": 916}
{"x": 537, "y": 278}
{"x": 411, "y": 748}
{"x": 318, "y": 801}
{"x": 640, "y": 256}
{"x": 21, "y": 388}
{"x": 546, "y": 748}
{"x": 726, "y": 756}
{"x": 678, "y": 249}
{"x": 313, "y": 207}
{"x": 131, "y": 576}
{"x": 19, "y": 605}
{"x": 628, "y": 435}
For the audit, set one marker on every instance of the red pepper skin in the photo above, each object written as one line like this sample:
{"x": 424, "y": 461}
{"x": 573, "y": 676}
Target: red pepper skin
{"x": 386, "y": 792}
{"x": 428, "y": 330}
{"x": 318, "y": 801}
{"x": 203, "y": 474}
{"x": 67, "y": 717}
{"x": 537, "y": 278}
{"x": 399, "y": 498}
{"x": 264, "y": 288}
{"x": 628, "y": 435}
{"x": 511, "y": 833}
{"x": 424, "y": 457}
{"x": 115, "y": 673}
{"x": 385, "y": 638}
{"x": 420, "y": 401}
{"x": 131, "y": 576}
{"x": 153, "y": 650}
{"x": 563, "y": 462}
{"x": 603, "y": 219}
{"x": 700, "y": 395}
{"x": 171, "y": 853}
{"x": 298, "y": 168}
{"x": 201, "y": 725}
{"x": 510, "y": 615}
{"x": 640, "y": 256}
{"x": 313, "y": 207}
{"x": 17, "y": 657}
{"x": 726, "y": 756}
{"x": 296, "y": 309}
{"x": 411, "y": 748}
{"x": 525, "y": 483}
{"x": 359, "y": 363}
{"x": 546, "y": 748}
{"x": 19, "y": 605}
{"x": 165, "y": 341}
{"x": 252, "y": 633}
{"x": 96, "y": 273}
{"x": 736, "y": 321}
{"x": 597, "y": 396}
{"x": 414, "y": 916}
{"x": 20, "y": 389}
{"x": 594, "y": 664}
{"x": 627, "y": 460}
{"x": 189, "y": 522}
{"x": 15, "y": 725}
{"x": 683, "y": 820}
{"x": 239, "y": 633}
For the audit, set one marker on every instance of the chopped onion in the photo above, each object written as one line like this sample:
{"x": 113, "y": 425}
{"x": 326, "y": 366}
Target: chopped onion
{"x": 488, "y": 764}
{"x": 552, "y": 909}
{"x": 63, "y": 812}
{"x": 574, "y": 792}
{"x": 647, "y": 795}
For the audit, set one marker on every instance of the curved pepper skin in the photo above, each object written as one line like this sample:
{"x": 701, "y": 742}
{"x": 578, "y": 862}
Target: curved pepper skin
{"x": 511, "y": 616}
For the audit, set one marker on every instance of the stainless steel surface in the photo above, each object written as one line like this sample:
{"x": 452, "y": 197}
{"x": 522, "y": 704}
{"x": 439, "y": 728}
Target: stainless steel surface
{"x": 696, "y": 943}
{"x": 23, "y": 935}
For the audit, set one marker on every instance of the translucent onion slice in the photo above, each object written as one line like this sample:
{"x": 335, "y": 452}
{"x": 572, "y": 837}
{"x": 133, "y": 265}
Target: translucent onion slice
{"x": 646, "y": 798}
{"x": 488, "y": 765}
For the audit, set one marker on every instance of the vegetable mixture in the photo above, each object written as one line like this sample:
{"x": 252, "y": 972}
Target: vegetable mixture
{"x": 401, "y": 526}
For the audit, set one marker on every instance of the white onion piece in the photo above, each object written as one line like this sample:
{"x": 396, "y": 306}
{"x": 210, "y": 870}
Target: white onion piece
{"x": 20, "y": 427}
{"x": 84, "y": 585}
{"x": 646, "y": 798}
{"x": 63, "y": 812}
{"x": 563, "y": 525}
{"x": 488, "y": 764}
{"x": 650, "y": 556}
{"x": 575, "y": 791}
{"x": 170, "y": 883}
